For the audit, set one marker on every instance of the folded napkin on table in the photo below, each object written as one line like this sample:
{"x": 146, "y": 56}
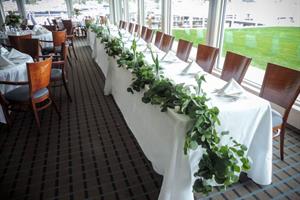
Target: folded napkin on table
{"x": 4, "y": 62}
{"x": 15, "y": 54}
{"x": 169, "y": 57}
{"x": 232, "y": 88}
{"x": 192, "y": 69}
{"x": 3, "y": 51}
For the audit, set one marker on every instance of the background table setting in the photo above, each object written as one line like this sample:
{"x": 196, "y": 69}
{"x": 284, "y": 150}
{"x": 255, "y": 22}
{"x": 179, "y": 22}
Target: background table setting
{"x": 38, "y": 32}
{"x": 161, "y": 135}
{"x": 12, "y": 68}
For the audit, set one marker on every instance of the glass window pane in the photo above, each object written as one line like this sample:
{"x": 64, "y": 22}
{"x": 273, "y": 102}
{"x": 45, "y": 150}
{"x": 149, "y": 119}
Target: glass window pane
{"x": 10, "y": 5}
{"x": 133, "y": 10}
{"x": 190, "y": 20}
{"x": 91, "y": 8}
{"x": 153, "y": 13}
{"x": 39, "y": 11}
{"x": 266, "y": 31}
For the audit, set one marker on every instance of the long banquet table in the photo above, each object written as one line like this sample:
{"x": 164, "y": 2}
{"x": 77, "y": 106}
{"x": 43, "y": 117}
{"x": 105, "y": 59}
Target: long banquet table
{"x": 161, "y": 135}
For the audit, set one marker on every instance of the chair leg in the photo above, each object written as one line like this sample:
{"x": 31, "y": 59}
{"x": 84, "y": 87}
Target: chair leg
{"x": 70, "y": 62}
{"x": 69, "y": 51}
{"x": 73, "y": 47}
{"x": 282, "y": 133}
{"x": 54, "y": 104}
{"x": 35, "y": 112}
{"x": 67, "y": 90}
{"x": 56, "y": 109}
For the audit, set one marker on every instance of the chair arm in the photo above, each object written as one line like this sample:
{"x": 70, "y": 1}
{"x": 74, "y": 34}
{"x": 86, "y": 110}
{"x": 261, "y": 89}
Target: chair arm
{"x": 14, "y": 82}
{"x": 58, "y": 64}
{"x": 46, "y": 41}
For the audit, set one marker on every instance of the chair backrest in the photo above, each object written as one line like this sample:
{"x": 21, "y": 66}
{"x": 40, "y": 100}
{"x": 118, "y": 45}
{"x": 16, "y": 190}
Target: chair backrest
{"x": 166, "y": 43}
{"x": 206, "y": 57}
{"x": 50, "y": 27}
{"x": 124, "y": 25}
{"x": 281, "y": 86}
{"x": 68, "y": 25}
{"x": 235, "y": 66}
{"x": 158, "y": 38}
{"x": 30, "y": 47}
{"x": 39, "y": 75}
{"x": 183, "y": 49}
{"x": 14, "y": 40}
{"x": 149, "y": 35}
{"x": 137, "y": 29}
{"x": 130, "y": 27}
{"x": 143, "y": 32}
{"x": 58, "y": 37}
{"x": 103, "y": 19}
{"x": 120, "y": 24}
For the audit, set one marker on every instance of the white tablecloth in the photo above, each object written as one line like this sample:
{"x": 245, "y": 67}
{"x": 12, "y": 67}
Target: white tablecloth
{"x": 162, "y": 135}
{"x": 45, "y": 36}
{"x": 17, "y": 72}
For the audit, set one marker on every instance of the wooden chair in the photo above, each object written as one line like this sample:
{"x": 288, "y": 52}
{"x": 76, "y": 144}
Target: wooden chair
{"x": 120, "y": 24}
{"x": 50, "y": 27}
{"x": 30, "y": 47}
{"x": 183, "y": 49}
{"x": 103, "y": 19}
{"x": 235, "y": 66}
{"x": 58, "y": 37}
{"x": 55, "y": 23}
{"x": 137, "y": 29}
{"x": 206, "y": 57}
{"x": 166, "y": 43}
{"x": 30, "y": 93}
{"x": 143, "y": 31}
{"x": 148, "y": 36}
{"x": 130, "y": 27}
{"x": 70, "y": 35}
{"x": 14, "y": 40}
{"x": 124, "y": 25}
{"x": 158, "y": 38}
{"x": 59, "y": 69}
{"x": 281, "y": 86}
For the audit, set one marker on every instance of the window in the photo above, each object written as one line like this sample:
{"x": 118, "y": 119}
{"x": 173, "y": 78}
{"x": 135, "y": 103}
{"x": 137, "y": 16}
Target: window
{"x": 37, "y": 11}
{"x": 190, "y": 20}
{"x": 133, "y": 10}
{"x": 152, "y": 13}
{"x": 92, "y": 8}
{"x": 9, "y": 5}
{"x": 266, "y": 31}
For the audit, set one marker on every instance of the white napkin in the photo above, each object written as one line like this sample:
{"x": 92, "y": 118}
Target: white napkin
{"x": 192, "y": 69}
{"x": 3, "y": 51}
{"x": 169, "y": 57}
{"x": 232, "y": 88}
{"x": 15, "y": 54}
{"x": 4, "y": 62}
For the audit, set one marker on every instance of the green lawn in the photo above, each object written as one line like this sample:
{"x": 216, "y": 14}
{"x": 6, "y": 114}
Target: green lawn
{"x": 279, "y": 45}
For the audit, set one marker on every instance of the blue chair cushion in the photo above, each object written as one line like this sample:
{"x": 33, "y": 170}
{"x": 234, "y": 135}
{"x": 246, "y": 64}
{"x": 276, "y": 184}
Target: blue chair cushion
{"x": 22, "y": 94}
{"x": 56, "y": 73}
{"x": 276, "y": 118}
{"x": 47, "y": 50}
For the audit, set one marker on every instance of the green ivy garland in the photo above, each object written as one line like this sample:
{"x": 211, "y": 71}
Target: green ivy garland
{"x": 221, "y": 164}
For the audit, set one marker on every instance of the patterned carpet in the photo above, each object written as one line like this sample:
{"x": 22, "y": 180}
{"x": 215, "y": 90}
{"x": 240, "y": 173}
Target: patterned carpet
{"x": 91, "y": 153}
